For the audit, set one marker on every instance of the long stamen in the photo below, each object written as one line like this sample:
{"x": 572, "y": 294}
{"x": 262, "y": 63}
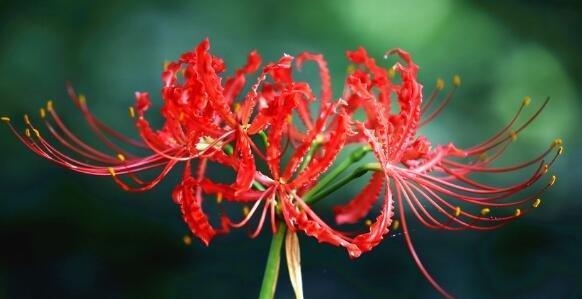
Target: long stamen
{"x": 99, "y": 124}
{"x": 412, "y": 251}
{"x": 440, "y": 84}
{"x": 252, "y": 211}
{"x": 146, "y": 186}
{"x": 487, "y": 146}
{"x": 443, "y": 104}
{"x": 267, "y": 206}
{"x": 52, "y": 112}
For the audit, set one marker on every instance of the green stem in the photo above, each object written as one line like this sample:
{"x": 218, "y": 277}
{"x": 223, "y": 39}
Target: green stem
{"x": 273, "y": 263}
{"x": 314, "y": 147}
{"x": 358, "y": 172}
{"x": 354, "y": 157}
{"x": 264, "y": 138}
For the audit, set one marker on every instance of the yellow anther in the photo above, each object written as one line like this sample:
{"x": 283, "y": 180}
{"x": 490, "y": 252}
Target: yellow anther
{"x": 111, "y": 171}
{"x": 319, "y": 138}
{"x": 36, "y": 132}
{"x": 526, "y": 101}
{"x": 395, "y": 225}
{"x": 546, "y": 168}
{"x": 131, "y": 112}
{"x": 289, "y": 118}
{"x": 121, "y": 157}
{"x": 553, "y": 180}
{"x": 236, "y": 107}
{"x": 513, "y": 136}
{"x": 27, "y": 132}
{"x": 350, "y": 69}
{"x": 536, "y": 203}
{"x": 391, "y": 73}
{"x": 49, "y": 105}
{"x": 368, "y": 222}
{"x": 246, "y": 211}
{"x": 557, "y": 142}
{"x": 187, "y": 240}
{"x": 517, "y": 212}
{"x": 165, "y": 64}
{"x": 181, "y": 116}
{"x": 483, "y": 156}
{"x": 282, "y": 181}
{"x": 485, "y": 211}
{"x": 42, "y": 113}
{"x": 5, "y": 119}
{"x": 82, "y": 99}
{"x": 456, "y": 80}
{"x": 457, "y": 212}
{"x": 560, "y": 150}
{"x": 219, "y": 197}
{"x": 26, "y": 119}
{"x": 440, "y": 84}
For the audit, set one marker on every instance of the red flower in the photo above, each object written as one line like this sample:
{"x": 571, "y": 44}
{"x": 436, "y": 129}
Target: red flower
{"x": 207, "y": 120}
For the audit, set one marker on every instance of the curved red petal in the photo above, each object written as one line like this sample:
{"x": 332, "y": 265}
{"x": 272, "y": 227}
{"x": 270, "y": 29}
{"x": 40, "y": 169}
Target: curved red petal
{"x": 360, "y": 206}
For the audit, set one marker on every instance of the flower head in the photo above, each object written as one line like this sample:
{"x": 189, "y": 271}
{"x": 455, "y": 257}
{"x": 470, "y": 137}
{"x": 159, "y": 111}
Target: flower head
{"x": 208, "y": 119}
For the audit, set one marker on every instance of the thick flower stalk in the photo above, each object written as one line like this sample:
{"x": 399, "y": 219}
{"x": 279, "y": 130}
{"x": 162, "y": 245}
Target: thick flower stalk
{"x": 281, "y": 142}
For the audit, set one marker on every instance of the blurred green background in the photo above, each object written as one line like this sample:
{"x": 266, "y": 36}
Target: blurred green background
{"x": 66, "y": 235}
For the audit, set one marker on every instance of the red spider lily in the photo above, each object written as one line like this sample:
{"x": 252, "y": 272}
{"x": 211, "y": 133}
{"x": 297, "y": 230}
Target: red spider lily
{"x": 207, "y": 120}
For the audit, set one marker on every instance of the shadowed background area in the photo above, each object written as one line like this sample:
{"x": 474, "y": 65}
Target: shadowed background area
{"x": 68, "y": 235}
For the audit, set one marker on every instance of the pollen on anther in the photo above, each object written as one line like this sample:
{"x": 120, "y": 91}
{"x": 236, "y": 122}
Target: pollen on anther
{"x": 111, "y": 171}
{"x": 456, "y": 80}
{"x": 36, "y": 132}
{"x": 536, "y": 203}
{"x": 485, "y": 211}
{"x": 391, "y": 73}
{"x": 558, "y": 142}
{"x": 350, "y": 69}
{"x": 246, "y": 211}
{"x": 187, "y": 240}
{"x": 131, "y": 112}
{"x": 526, "y": 101}
{"x": 395, "y": 225}
{"x": 42, "y": 113}
{"x": 121, "y": 157}
{"x": 368, "y": 222}
{"x": 5, "y": 119}
{"x": 26, "y": 119}
{"x": 49, "y": 105}
{"x": 457, "y": 212}
{"x": 553, "y": 180}
{"x": 440, "y": 84}
{"x": 82, "y": 99}
{"x": 27, "y": 132}
{"x": 218, "y": 197}
{"x": 517, "y": 212}
{"x": 513, "y": 136}
{"x": 560, "y": 150}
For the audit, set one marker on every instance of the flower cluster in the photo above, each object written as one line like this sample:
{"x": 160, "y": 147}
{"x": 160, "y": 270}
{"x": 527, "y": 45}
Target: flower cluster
{"x": 280, "y": 139}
